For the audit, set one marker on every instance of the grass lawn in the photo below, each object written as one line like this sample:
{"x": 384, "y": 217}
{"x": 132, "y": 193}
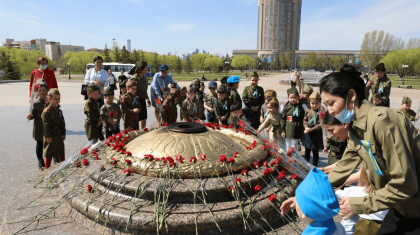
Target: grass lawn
{"x": 415, "y": 82}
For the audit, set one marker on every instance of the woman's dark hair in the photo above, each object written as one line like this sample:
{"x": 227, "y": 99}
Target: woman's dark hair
{"x": 38, "y": 61}
{"x": 330, "y": 119}
{"x": 339, "y": 83}
{"x": 98, "y": 58}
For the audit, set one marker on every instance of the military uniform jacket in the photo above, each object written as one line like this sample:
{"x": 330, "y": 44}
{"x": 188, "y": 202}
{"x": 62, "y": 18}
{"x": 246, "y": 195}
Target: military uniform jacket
{"x": 274, "y": 121}
{"x": 92, "y": 112}
{"x": 336, "y": 148}
{"x": 169, "y": 112}
{"x": 141, "y": 86}
{"x": 109, "y": 112}
{"x": 222, "y": 108}
{"x": 129, "y": 103}
{"x": 382, "y": 86}
{"x": 38, "y": 130}
{"x": 192, "y": 109}
{"x": 291, "y": 124}
{"x": 209, "y": 99}
{"x": 410, "y": 114}
{"x": 234, "y": 97}
{"x": 253, "y": 96}
{"x": 55, "y": 128}
{"x": 308, "y": 122}
{"x": 395, "y": 145}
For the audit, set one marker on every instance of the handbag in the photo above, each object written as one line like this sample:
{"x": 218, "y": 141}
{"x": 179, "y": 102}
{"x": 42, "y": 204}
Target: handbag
{"x": 83, "y": 90}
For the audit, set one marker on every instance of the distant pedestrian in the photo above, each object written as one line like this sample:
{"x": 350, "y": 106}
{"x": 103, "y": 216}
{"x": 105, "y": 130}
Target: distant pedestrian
{"x": 54, "y": 128}
{"x": 300, "y": 82}
{"x": 122, "y": 78}
{"x": 97, "y": 76}
{"x": 294, "y": 79}
{"x": 112, "y": 80}
{"x": 366, "y": 81}
{"x": 38, "y": 130}
{"x": 43, "y": 72}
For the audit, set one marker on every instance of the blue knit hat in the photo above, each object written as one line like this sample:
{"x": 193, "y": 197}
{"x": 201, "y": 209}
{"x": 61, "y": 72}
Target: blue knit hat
{"x": 212, "y": 84}
{"x": 233, "y": 79}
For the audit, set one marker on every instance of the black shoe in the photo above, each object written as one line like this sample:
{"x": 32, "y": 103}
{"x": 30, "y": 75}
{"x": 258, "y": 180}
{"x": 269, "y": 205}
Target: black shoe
{"x": 41, "y": 167}
{"x": 56, "y": 160}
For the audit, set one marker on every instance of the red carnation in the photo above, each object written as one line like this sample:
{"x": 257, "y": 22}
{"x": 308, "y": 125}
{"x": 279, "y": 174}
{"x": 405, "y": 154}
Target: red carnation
{"x": 89, "y": 188}
{"x": 107, "y": 143}
{"x": 149, "y": 157}
{"x": 128, "y": 153}
{"x": 248, "y": 148}
{"x": 96, "y": 158}
{"x": 157, "y": 101}
{"x": 241, "y": 123}
{"x": 289, "y": 160}
{"x": 222, "y": 158}
{"x": 237, "y": 181}
{"x": 278, "y": 159}
{"x": 111, "y": 114}
{"x": 123, "y": 132}
{"x": 145, "y": 129}
{"x": 113, "y": 161}
{"x": 83, "y": 151}
{"x": 193, "y": 160}
{"x": 289, "y": 152}
{"x": 272, "y": 198}
{"x": 225, "y": 126}
{"x": 254, "y": 144}
{"x": 203, "y": 157}
{"x": 128, "y": 162}
{"x": 294, "y": 176}
{"x": 85, "y": 162}
{"x": 274, "y": 163}
{"x": 231, "y": 126}
{"x": 256, "y": 165}
{"x": 171, "y": 164}
{"x": 78, "y": 164}
{"x": 127, "y": 172}
{"x": 292, "y": 168}
{"x": 265, "y": 164}
{"x": 321, "y": 115}
{"x": 257, "y": 188}
{"x": 281, "y": 175}
{"x": 166, "y": 124}
{"x": 102, "y": 168}
{"x": 265, "y": 147}
{"x": 244, "y": 172}
{"x": 36, "y": 87}
{"x": 231, "y": 160}
{"x": 232, "y": 189}
{"x": 235, "y": 154}
{"x": 268, "y": 171}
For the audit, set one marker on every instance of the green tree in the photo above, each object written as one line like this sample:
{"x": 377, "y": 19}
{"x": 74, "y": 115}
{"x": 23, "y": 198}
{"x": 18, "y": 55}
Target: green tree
{"x": 125, "y": 55}
{"x": 79, "y": 60}
{"x": 394, "y": 61}
{"x": 12, "y": 71}
{"x": 135, "y": 56}
{"x": 106, "y": 54}
{"x": 286, "y": 61}
{"x": 156, "y": 63}
{"x": 178, "y": 65}
{"x": 188, "y": 65}
{"x": 197, "y": 61}
{"x": 213, "y": 63}
{"x": 241, "y": 62}
{"x": 117, "y": 54}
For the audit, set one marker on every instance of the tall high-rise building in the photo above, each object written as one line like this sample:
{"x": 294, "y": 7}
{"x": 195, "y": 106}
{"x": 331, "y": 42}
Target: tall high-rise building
{"x": 279, "y": 24}
{"x": 128, "y": 45}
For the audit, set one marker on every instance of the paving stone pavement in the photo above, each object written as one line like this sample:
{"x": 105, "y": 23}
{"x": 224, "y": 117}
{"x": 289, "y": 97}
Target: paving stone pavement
{"x": 18, "y": 162}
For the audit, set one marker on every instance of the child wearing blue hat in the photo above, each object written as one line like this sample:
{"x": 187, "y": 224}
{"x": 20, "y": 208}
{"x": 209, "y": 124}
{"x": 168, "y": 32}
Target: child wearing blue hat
{"x": 316, "y": 203}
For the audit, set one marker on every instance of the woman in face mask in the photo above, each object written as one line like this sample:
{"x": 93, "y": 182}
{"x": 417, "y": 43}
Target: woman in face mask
{"x": 386, "y": 143}
{"x": 42, "y": 72}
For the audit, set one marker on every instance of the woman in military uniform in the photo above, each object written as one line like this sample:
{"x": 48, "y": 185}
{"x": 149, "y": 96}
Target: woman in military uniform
{"x": 388, "y": 145}
{"x": 383, "y": 84}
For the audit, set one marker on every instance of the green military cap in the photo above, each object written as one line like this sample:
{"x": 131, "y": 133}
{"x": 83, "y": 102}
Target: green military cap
{"x": 222, "y": 89}
{"x": 53, "y": 91}
{"x": 123, "y": 84}
{"x": 131, "y": 83}
{"x": 292, "y": 90}
{"x": 308, "y": 89}
{"x": 406, "y": 100}
{"x": 91, "y": 88}
{"x": 109, "y": 91}
{"x": 273, "y": 100}
{"x": 141, "y": 64}
{"x": 270, "y": 93}
{"x": 377, "y": 95}
{"x": 315, "y": 95}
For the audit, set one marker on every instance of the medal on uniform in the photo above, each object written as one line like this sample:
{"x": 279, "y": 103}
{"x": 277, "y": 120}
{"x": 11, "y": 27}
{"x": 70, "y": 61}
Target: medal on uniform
{"x": 194, "y": 107}
{"x": 313, "y": 119}
{"x": 372, "y": 158}
{"x": 296, "y": 112}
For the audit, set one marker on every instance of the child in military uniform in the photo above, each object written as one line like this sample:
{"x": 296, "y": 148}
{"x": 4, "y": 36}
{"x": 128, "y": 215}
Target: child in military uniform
{"x": 273, "y": 121}
{"x": 233, "y": 95}
{"x": 209, "y": 100}
{"x": 131, "y": 106}
{"x": 180, "y": 100}
{"x": 253, "y": 97}
{"x": 377, "y": 99}
{"x": 383, "y": 84}
{"x": 268, "y": 94}
{"x": 192, "y": 108}
{"x": 304, "y": 101}
{"x": 313, "y": 131}
{"x": 54, "y": 128}
{"x": 110, "y": 114}
{"x": 123, "y": 90}
{"x": 338, "y": 142}
{"x": 199, "y": 95}
{"x": 292, "y": 119}
{"x": 38, "y": 130}
{"x": 169, "y": 111}
{"x": 406, "y": 109}
{"x": 222, "y": 106}
{"x": 244, "y": 114}
{"x": 93, "y": 121}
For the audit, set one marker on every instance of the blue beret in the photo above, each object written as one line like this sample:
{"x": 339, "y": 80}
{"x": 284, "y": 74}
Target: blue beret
{"x": 316, "y": 198}
{"x": 233, "y": 79}
{"x": 163, "y": 67}
{"x": 212, "y": 84}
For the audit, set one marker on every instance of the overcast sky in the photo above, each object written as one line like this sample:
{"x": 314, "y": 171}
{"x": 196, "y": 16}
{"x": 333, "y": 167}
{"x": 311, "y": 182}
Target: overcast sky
{"x": 217, "y": 26}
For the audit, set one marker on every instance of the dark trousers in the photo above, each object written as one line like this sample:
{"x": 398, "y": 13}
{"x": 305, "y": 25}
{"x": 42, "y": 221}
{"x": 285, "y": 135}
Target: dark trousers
{"x": 315, "y": 157}
{"x": 395, "y": 223}
{"x": 39, "y": 150}
{"x": 293, "y": 84}
{"x": 211, "y": 117}
{"x": 256, "y": 116}
{"x": 110, "y": 133}
{"x": 385, "y": 103}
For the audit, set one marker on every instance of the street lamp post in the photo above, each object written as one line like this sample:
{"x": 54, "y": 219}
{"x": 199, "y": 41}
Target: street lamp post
{"x": 69, "y": 70}
{"x": 404, "y": 68}
{"x": 227, "y": 64}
